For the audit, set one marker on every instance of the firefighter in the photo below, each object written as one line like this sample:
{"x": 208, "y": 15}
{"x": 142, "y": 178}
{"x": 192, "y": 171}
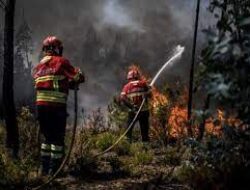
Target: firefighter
{"x": 53, "y": 76}
{"x": 132, "y": 96}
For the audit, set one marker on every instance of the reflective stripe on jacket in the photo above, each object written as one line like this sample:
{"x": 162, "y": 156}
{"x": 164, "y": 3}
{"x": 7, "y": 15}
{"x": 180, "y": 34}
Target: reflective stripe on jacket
{"x": 52, "y": 77}
{"x": 134, "y": 92}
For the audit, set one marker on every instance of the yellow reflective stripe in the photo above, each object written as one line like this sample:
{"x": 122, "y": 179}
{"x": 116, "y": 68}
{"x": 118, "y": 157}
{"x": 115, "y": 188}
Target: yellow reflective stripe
{"x": 45, "y": 153}
{"x": 45, "y": 146}
{"x": 49, "y": 77}
{"x": 56, "y": 100}
{"x": 46, "y": 59}
{"x": 51, "y": 93}
{"x": 56, "y": 148}
{"x": 56, "y": 85}
{"x": 56, "y": 155}
{"x": 51, "y": 96}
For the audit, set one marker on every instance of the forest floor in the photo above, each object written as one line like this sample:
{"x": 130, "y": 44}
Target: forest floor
{"x": 152, "y": 174}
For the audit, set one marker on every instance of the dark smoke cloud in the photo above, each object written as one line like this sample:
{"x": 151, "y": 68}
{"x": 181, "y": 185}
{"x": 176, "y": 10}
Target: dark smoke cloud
{"x": 104, "y": 36}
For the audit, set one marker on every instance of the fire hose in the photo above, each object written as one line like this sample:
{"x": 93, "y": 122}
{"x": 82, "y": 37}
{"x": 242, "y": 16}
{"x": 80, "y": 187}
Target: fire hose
{"x": 177, "y": 53}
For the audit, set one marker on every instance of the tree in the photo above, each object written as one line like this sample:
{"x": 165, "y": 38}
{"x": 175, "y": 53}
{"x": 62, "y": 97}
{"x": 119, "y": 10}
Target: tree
{"x": 24, "y": 43}
{"x": 1, "y": 73}
{"x": 225, "y": 67}
{"x": 22, "y": 64}
{"x": 12, "y": 140}
{"x": 191, "y": 77}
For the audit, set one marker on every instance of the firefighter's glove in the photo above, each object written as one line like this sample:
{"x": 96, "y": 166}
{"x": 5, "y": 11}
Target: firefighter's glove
{"x": 149, "y": 93}
{"x": 134, "y": 109}
{"x": 73, "y": 85}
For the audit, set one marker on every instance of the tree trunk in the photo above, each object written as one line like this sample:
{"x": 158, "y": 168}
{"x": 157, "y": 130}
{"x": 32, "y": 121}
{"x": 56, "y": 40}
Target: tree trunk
{"x": 12, "y": 139}
{"x": 191, "y": 76}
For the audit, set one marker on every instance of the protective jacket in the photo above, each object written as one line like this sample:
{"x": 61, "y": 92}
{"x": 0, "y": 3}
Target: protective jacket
{"x": 52, "y": 80}
{"x": 134, "y": 92}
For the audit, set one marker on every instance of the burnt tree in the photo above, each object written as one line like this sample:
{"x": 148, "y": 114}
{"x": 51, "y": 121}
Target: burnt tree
{"x": 12, "y": 139}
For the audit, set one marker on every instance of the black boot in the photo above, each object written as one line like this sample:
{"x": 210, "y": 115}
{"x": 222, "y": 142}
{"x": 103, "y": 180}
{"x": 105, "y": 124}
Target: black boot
{"x": 57, "y": 154}
{"x": 45, "y": 159}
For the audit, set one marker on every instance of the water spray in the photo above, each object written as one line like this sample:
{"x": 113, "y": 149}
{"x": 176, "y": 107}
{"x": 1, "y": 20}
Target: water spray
{"x": 177, "y": 53}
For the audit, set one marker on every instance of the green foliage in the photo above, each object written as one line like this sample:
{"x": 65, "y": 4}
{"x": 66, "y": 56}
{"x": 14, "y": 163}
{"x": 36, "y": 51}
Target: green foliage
{"x": 218, "y": 162}
{"x": 136, "y": 147}
{"x": 143, "y": 157}
{"x": 105, "y": 140}
{"x": 14, "y": 173}
{"x": 141, "y": 154}
{"x": 117, "y": 113}
{"x": 18, "y": 172}
{"x": 123, "y": 147}
{"x": 224, "y": 71}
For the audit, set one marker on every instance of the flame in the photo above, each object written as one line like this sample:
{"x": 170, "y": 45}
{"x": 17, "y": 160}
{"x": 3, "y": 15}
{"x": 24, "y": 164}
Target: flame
{"x": 136, "y": 67}
{"x": 158, "y": 99}
{"x": 177, "y": 121}
{"x": 176, "y": 117}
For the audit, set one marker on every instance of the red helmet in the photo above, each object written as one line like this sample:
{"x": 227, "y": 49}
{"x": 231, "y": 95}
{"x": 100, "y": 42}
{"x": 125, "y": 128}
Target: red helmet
{"x": 53, "y": 45}
{"x": 133, "y": 74}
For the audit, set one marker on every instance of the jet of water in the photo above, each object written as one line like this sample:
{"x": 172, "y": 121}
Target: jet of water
{"x": 177, "y": 54}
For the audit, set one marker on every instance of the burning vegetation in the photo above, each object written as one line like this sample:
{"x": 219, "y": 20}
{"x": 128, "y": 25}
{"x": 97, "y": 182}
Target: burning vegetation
{"x": 215, "y": 157}
{"x": 170, "y": 116}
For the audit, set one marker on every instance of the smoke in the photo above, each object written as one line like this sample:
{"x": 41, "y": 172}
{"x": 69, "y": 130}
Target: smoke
{"x": 116, "y": 15}
{"x": 103, "y": 37}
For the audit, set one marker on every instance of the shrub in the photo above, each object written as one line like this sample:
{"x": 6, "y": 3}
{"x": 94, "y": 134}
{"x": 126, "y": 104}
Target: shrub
{"x": 14, "y": 173}
{"x": 172, "y": 156}
{"x": 136, "y": 147}
{"x": 219, "y": 163}
{"x": 114, "y": 162}
{"x": 117, "y": 113}
{"x": 105, "y": 140}
{"x": 141, "y": 154}
{"x": 29, "y": 137}
{"x": 123, "y": 147}
{"x": 82, "y": 166}
{"x": 143, "y": 157}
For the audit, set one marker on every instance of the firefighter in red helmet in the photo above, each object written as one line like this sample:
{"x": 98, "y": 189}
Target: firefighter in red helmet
{"x": 53, "y": 76}
{"x": 132, "y": 96}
